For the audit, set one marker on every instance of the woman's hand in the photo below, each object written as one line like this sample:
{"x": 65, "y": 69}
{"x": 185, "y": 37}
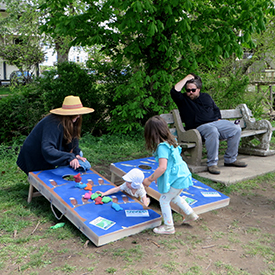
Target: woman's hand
{"x": 81, "y": 158}
{"x": 74, "y": 164}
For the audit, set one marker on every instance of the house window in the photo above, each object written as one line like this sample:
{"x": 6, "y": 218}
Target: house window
{"x": 77, "y": 59}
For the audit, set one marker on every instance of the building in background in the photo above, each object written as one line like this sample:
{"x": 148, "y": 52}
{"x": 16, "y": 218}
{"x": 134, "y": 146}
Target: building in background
{"x": 76, "y": 54}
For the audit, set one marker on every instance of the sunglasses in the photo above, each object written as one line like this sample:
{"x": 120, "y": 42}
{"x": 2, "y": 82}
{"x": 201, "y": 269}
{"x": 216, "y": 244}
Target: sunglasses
{"x": 191, "y": 90}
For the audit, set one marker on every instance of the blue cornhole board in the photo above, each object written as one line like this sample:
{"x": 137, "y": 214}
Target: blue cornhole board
{"x": 200, "y": 197}
{"x": 100, "y": 223}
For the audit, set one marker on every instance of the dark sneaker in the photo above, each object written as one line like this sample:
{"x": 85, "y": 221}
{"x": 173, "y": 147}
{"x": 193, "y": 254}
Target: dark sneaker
{"x": 236, "y": 163}
{"x": 213, "y": 169}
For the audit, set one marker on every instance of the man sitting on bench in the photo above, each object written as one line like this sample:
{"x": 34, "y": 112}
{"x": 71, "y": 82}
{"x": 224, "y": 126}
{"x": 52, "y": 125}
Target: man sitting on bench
{"x": 199, "y": 111}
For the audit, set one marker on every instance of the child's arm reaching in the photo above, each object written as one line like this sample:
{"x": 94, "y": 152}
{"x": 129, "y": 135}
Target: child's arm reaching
{"x": 145, "y": 200}
{"x": 110, "y": 191}
{"x": 159, "y": 171}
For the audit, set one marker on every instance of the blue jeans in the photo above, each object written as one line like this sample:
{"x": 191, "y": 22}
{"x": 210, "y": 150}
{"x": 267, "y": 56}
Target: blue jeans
{"x": 218, "y": 130}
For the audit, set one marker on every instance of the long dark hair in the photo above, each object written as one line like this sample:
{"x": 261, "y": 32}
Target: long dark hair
{"x": 71, "y": 130}
{"x": 156, "y": 131}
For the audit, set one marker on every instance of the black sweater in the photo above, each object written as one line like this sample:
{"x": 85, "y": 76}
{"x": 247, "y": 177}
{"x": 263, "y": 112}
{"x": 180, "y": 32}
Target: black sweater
{"x": 195, "y": 112}
{"x": 45, "y": 147}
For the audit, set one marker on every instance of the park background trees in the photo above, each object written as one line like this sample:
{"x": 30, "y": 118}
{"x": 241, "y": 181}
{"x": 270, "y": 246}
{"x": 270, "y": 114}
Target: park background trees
{"x": 144, "y": 47}
{"x": 160, "y": 41}
{"x": 20, "y": 38}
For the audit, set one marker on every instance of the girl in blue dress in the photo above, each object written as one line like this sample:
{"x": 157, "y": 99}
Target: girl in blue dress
{"x": 172, "y": 174}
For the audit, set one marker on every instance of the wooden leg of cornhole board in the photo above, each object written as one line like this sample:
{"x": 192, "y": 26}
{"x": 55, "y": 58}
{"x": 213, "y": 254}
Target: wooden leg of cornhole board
{"x": 115, "y": 172}
{"x": 113, "y": 177}
{"x": 32, "y": 194}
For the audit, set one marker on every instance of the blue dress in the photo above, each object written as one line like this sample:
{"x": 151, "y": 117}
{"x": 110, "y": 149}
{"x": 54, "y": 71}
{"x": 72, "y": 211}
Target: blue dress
{"x": 177, "y": 173}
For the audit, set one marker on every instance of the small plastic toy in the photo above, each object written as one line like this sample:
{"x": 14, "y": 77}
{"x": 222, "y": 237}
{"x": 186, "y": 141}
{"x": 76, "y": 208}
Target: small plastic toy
{"x": 106, "y": 199}
{"x": 81, "y": 185}
{"x": 116, "y": 206}
{"x": 87, "y": 195}
{"x": 77, "y": 178}
{"x": 95, "y": 195}
{"x": 58, "y": 225}
{"x": 98, "y": 200}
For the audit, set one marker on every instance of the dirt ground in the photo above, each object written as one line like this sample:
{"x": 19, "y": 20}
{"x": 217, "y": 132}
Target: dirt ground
{"x": 237, "y": 239}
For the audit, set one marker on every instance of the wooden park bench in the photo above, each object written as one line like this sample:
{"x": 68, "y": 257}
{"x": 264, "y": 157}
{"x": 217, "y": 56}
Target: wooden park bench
{"x": 255, "y": 136}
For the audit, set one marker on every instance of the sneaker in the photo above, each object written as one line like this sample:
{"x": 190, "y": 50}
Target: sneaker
{"x": 164, "y": 229}
{"x": 213, "y": 169}
{"x": 236, "y": 163}
{"x": 190, "y": 218}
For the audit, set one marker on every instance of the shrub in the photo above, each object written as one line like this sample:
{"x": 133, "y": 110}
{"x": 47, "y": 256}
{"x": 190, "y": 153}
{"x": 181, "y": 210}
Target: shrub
{"x": 20, "y": 112}
{"x": 71, "y": 79}
{"x": 227, "y": 91}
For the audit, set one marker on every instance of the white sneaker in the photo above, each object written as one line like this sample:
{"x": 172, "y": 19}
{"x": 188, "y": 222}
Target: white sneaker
{"x": 190, "y": 218}
{"x": 164, "y": 229}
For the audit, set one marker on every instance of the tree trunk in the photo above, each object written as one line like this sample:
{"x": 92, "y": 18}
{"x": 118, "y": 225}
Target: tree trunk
{"x": 62, "y": 50}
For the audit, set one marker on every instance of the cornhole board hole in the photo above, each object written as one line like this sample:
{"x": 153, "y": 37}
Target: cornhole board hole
{"x": 99, "y": 222}
{"x": 200, "y": 197}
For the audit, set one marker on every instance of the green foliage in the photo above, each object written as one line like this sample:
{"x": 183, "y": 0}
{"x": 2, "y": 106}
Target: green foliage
{"x": 128, "y": 102}
{"x": 161, "y": 41}
{"x": 227, "y": 92}
{"x": 71, "y": 79}
{"x": 24, "y": 56}
{"x": 20, "y": 41}
{"x": 19, "y": 112}
{"x": 113, "y": 148}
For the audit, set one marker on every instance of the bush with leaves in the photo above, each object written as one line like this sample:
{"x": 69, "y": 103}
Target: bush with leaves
{"x": 23, "y": 109}
{"x": 70, "y": 79}
{"x": 130, "y": 99}
{"x": 20, "y": 112}
{"x": 230, "y": 88}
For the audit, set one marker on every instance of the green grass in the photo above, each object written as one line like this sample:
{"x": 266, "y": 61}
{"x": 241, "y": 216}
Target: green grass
{"x": 113, "y": 148}
{"x": 4, "y": 90}
{"x": 30, "y": 253}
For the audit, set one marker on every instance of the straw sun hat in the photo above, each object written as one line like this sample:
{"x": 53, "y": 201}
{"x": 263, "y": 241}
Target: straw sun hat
{"x": 72, "y": 106}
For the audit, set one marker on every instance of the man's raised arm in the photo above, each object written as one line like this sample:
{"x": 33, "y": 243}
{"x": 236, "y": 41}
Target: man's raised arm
{"x": 181, "y": 84}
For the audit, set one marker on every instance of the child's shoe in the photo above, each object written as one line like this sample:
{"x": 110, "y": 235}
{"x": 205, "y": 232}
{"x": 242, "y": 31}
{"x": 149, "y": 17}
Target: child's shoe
{"x": 164, "y": 229}
{"x": 190, "y": 218}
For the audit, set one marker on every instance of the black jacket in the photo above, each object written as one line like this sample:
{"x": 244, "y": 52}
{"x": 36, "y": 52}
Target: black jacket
{"x": 45, "y": 147}
{"x": 195, "y": 112}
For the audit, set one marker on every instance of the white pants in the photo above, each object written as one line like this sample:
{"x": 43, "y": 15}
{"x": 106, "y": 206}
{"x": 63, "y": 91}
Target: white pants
{"x": 174, "y": 196}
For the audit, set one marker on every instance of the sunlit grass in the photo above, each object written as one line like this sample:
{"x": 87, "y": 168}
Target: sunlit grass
{"x": 17, "y": 216}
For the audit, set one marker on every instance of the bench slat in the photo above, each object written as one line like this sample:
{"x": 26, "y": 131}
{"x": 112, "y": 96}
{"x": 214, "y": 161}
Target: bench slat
{"x": 168, "y": 118}
{"x": 187, "y": 145}
{"x": 231, "y": 113}
{"x": 248, "y": 133}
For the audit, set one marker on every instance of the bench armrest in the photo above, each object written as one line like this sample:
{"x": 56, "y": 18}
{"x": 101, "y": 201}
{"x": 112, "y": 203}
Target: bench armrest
{"x": 192, "y": 135}
{"x": 251, "y": 123}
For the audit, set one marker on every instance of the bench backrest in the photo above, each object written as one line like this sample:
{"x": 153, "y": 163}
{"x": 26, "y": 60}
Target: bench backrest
{"x": 170, "y": 121}
{"x": 234, "y": 114}
{"x": 230, "y": 114}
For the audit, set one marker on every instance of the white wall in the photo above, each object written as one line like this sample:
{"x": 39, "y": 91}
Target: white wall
{"x": 9, "y": 70}
{"x": 76, "y": 54}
